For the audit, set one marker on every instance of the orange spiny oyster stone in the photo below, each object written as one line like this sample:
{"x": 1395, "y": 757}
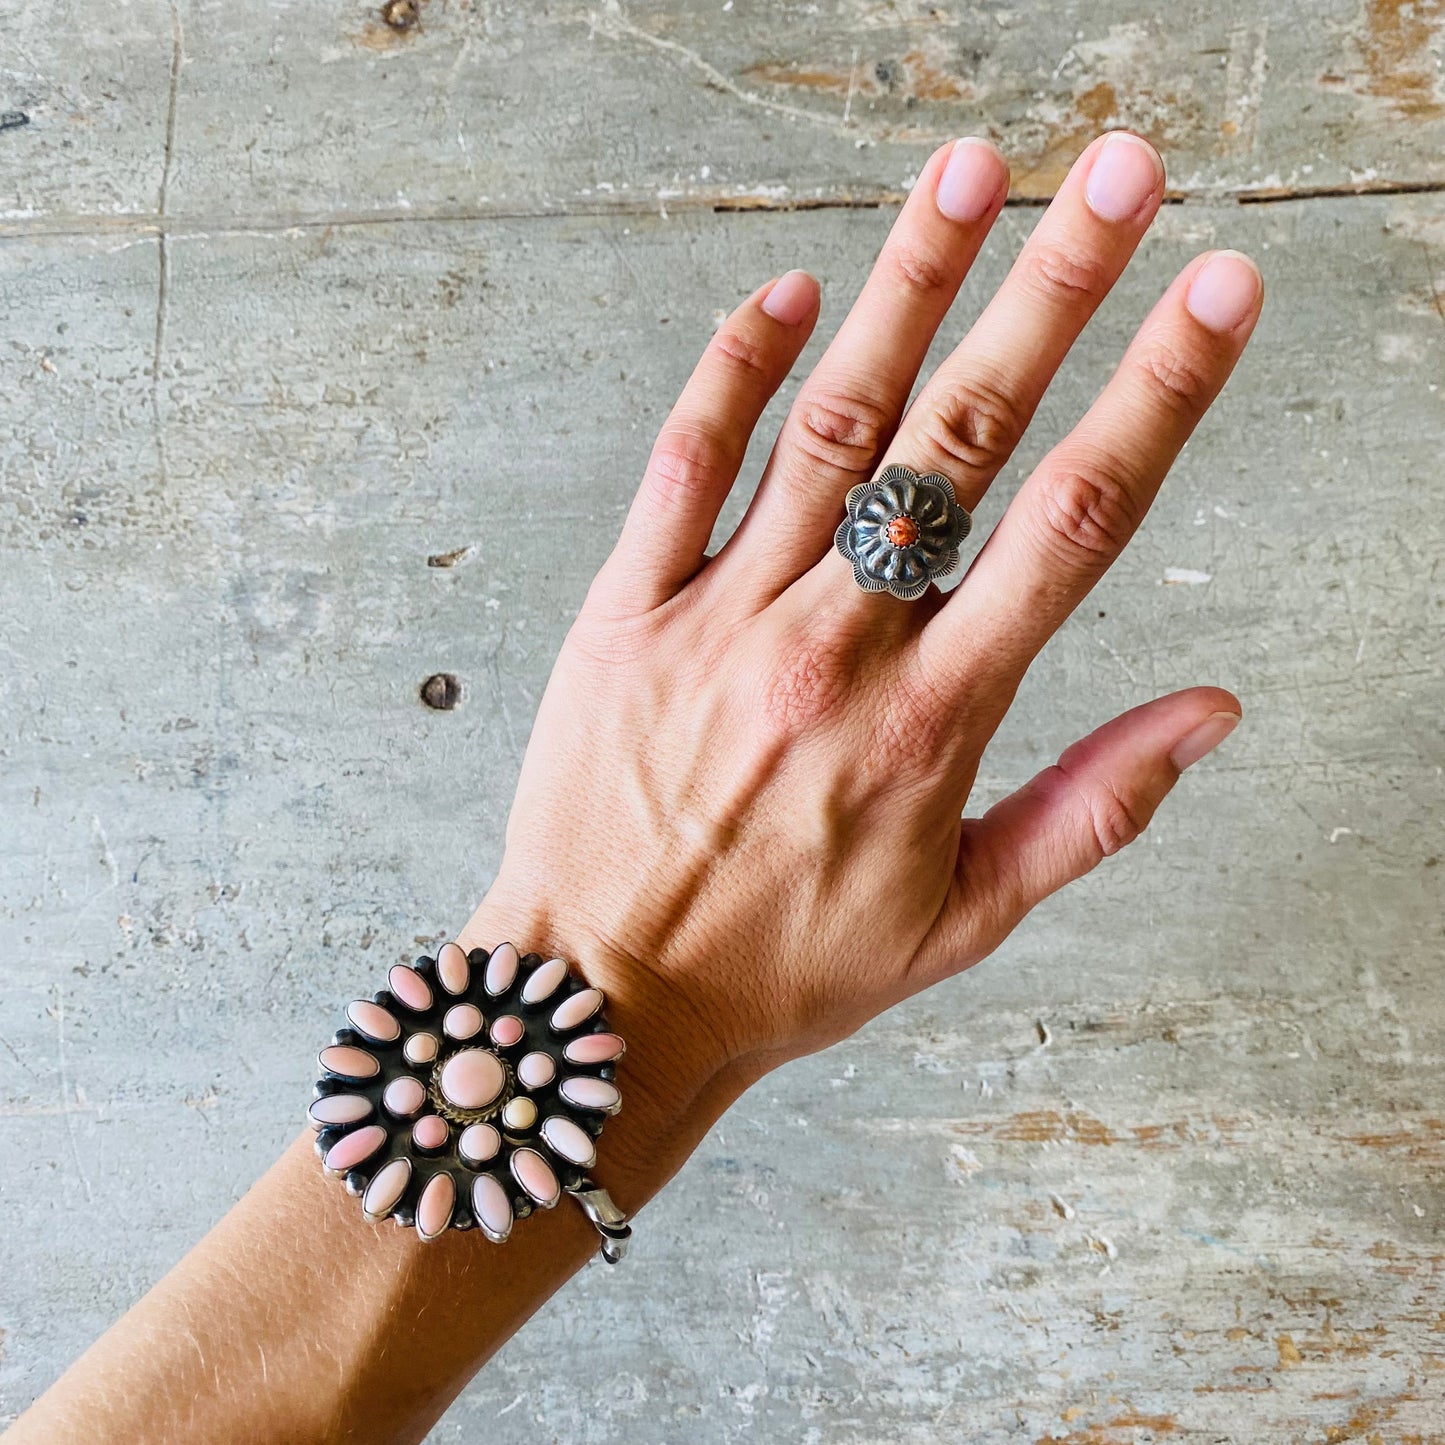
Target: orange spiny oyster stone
{"x": 902, "y": 531}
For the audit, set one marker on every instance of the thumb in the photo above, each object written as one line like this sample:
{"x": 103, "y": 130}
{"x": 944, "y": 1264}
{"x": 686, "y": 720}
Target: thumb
{"x": 1095, "y": 800}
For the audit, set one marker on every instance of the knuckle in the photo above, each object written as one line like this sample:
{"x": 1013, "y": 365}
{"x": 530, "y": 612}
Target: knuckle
{"x": 1061, "y": 274}
{"x": 1180, "y": 381}
{"x": 745, "y": 353}
{"x": 1086, "y": 513}
{"x": 919, "y": 269}
{"x": 685, "y": 464}
{"x": 1116, "y": 821}
{"x": 973, "y": 424}
{"x": 841, "y": 432}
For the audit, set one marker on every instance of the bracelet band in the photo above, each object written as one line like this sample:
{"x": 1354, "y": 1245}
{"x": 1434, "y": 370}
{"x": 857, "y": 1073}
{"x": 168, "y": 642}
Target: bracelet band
{"x": 471, "y": 1091}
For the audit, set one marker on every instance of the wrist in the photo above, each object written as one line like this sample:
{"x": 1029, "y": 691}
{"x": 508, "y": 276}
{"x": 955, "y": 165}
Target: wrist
{"x": 674, "y": 1079}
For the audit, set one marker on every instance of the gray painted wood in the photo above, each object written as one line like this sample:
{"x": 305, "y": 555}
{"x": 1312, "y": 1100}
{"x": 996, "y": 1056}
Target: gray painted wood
{"x": 1168, "y": 1167}
{"x": 322, "y": 111}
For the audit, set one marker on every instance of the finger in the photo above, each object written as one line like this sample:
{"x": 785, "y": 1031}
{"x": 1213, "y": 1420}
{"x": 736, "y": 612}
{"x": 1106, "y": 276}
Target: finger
{"x": 698, "y": 452}
{"x": 973, "y": 411}
{"x": 1095, "y": 800}
{"x": 1084, "y": 501}
{"x": 848, "y": 408}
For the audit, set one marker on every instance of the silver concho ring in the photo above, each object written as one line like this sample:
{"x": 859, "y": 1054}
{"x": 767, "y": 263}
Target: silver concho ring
{"x": 901, "y": 531}
{"x": 471, "y": 1091}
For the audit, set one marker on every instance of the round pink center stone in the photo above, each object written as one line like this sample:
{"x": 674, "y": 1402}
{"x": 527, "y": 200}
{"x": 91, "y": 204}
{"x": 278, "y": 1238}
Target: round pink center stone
{"x": 472, "y": 1079}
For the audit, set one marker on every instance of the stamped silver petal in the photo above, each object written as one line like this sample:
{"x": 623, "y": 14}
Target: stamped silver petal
{"x": 859, "y": 494}
{"x": 866, "y": 580}
{"x": 943, "y": 484}
{"x": 947, "y": 563}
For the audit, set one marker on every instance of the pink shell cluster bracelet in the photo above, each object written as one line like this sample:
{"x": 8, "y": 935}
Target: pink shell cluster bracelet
{"x": 471, "y": 1091}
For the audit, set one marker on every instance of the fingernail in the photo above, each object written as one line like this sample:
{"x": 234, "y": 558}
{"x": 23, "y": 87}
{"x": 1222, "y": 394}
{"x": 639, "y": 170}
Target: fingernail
{"x": 1125, "y": 173}
{"x": 973, "y": 180}
{"x": 792, "y": 297}
{"x": 1225, "y": 292}
{"x": 1204, "y": 739}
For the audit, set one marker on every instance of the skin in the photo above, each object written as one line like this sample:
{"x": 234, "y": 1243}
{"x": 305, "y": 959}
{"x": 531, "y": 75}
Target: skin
{"x": 741, "y": 810}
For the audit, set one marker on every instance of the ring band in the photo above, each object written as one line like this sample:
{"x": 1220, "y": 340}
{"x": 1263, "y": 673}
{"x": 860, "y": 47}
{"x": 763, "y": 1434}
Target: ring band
{"x": 901, "y": 531}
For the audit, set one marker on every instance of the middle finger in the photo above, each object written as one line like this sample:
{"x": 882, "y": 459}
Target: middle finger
{"x": 974, "y": 409}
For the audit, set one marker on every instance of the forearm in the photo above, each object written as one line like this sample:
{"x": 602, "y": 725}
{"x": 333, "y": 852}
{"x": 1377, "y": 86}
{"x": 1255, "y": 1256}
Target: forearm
{"x": 294, "y": 1320}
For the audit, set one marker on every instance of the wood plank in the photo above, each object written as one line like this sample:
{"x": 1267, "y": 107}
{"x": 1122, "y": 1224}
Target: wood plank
{"x": 1166, "y": 1168}
{"x": 311, "y": 111}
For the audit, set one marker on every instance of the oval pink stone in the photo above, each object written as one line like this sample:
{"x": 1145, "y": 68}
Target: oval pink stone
{"x": 569, "y": 1140}
{"x": 430, "y": 1132}
{"x": 507, "y": 1030}
{"x": 453, "y": 969}
{"x": 479, "y": 1142}
{"x": 420, "y": 1048}
{"x": 594, "y": 1049}
{"x": 591, "y": 1094}
{"x": 462, "y": 1021}
{"x": 409, "y": 987}
{"x": 492, "y": 1207}
{"x": 349, "y": 1062}
{"x": 473, "y": 1078}
{"x": 339, "y": 1109}
{"x": 577, "y": 1009}
{"x": 350, "y": 1150}
{"x": 434, "y": 1208}
{"x": 387, "y": 1186}
{"x": 403, "y": 1097}
{"x": 543, "y": 983}
{"x": 535, "y": 1175}
{"x": 373, "y": 1021}
{"x": 502, "y": 968}
{"x": 536, "y": 1071}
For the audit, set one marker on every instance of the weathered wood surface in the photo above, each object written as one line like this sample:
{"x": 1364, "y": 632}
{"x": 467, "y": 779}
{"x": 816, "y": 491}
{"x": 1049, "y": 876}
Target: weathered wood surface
{"x": 247, "y": 114}
{"x": 1169, "y": 1167}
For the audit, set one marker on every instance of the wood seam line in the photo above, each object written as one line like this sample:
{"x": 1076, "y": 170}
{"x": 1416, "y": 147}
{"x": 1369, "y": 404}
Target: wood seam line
{"x": 153, "y": 224}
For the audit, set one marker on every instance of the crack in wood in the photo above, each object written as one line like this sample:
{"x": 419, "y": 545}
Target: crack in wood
{"x": 181, "y": 227}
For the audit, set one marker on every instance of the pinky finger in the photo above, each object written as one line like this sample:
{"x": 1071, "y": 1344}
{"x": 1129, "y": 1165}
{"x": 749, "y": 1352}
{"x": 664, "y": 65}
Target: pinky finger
{"x": 699, "y": 450}
{"x": 1095, "y": 800}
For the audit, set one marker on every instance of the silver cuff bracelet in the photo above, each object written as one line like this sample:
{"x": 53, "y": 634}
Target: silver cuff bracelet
{"x": 470, "y": 1091}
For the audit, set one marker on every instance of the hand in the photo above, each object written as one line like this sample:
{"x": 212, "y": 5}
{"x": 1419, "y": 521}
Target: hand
{"x": 741, "y": 806}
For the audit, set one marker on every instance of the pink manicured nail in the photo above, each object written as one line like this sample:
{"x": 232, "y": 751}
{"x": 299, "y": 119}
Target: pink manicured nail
{"x": 1204, "y": 739}
{"x": 791, "y": 299}
{"x": 1225, "y": 292}
{"x": 1125, "y": 173}
{"x": 973, "y": 180}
